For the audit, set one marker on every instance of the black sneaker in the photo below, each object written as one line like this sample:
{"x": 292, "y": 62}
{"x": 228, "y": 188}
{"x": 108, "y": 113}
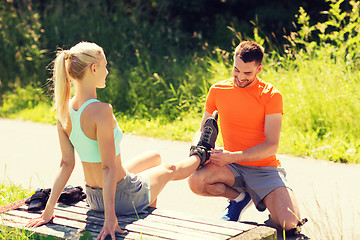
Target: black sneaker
{"x": 209, "y": 132}
{"x": 207, "y": 139}
{"x": 296, "y": 231}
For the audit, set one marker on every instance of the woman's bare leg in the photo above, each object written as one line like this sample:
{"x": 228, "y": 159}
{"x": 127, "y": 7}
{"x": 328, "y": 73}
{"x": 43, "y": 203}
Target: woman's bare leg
{"x": 161, "y": 175}
{"x": 143, "y": 162}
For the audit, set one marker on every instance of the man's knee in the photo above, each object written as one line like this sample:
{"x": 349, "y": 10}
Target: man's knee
{"x": 216, "y": 189}
{"x": 283, "y": 207}
{"x": 195, "y": 183}
{"x": 209, "y": 180}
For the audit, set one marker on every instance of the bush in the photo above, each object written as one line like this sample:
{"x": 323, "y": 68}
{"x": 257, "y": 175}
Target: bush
{"x": 21, "y": 98}
{"x": 22, "y": 59}
{"x": 321, "y": 89}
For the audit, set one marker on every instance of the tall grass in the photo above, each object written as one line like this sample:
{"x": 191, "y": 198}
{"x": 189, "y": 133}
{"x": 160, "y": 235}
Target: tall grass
{"x": 22, "y": 58}
{"x": 330, "y": 220}
{"x": 320, "y": 85}
{"x": 321, "y": 105}
{"x": 317, "y": 73}
{"x": 9, "y": 193}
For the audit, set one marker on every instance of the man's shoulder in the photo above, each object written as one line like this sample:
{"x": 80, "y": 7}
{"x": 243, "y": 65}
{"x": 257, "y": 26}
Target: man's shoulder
{"x": 268, "y": 88}
{"x": 225, "y": 84}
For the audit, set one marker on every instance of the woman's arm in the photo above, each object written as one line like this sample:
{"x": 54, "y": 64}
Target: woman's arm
{"x": 105, "y": 138}
{"x": 67, "y": 165}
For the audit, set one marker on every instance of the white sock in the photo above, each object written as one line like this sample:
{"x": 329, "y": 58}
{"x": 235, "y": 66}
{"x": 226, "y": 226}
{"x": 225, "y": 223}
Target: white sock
{"x": 240, "y": 197}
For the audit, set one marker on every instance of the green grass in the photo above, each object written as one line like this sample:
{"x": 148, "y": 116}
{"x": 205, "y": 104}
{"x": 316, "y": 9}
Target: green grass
{"x": 317, "y": 72}
{"x": 9, "y": 193}
{"x": 319, "y": 113}
{"x": 321, "y": 108}
{"x": 181, "y": 129}
{"x": 40, "y": 113}
{"x": 329, "y": 223}
{"x": 16, "y": 234}
{"x": 321, "y": 105}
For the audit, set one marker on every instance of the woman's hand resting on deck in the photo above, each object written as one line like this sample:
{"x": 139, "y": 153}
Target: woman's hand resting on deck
{"x": 109, "y": 228}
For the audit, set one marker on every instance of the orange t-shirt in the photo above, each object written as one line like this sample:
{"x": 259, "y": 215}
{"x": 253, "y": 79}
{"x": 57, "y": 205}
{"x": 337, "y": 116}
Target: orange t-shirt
{"x": 242, "y": 115}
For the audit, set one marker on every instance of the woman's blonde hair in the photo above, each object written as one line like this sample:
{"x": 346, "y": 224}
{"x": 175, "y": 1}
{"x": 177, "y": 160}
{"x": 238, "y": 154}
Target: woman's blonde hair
{"x": 71, "y": 64}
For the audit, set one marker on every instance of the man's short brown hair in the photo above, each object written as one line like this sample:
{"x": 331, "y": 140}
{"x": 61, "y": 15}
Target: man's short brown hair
{"x": 249, "y": 51}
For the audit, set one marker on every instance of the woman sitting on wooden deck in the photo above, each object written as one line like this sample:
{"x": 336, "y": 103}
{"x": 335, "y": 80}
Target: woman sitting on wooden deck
{"x": 89, "y": 126}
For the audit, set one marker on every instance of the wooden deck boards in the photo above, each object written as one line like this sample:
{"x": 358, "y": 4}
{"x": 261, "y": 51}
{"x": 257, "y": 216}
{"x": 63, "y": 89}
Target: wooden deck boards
{"x": 72, "y": 222}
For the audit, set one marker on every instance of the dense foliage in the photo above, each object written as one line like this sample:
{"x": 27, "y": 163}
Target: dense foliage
{"x": 151, "y": 45}
{"x": 164, "y": 55}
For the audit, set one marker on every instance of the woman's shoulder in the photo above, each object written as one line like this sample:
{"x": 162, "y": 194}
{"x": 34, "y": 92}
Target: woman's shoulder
{"x": 102, "y": 106}
{"x": 101, "y": 110}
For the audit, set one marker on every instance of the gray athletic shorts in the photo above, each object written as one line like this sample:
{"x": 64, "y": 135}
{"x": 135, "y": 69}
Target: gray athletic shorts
{"x": 258, "y": 181}
{"x": 133, "y": 189}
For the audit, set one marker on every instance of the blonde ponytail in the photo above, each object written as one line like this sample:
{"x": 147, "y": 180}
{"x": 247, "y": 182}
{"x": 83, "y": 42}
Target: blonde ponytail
{"x": 62, "y": 88}
{"x": 71, "y": 64}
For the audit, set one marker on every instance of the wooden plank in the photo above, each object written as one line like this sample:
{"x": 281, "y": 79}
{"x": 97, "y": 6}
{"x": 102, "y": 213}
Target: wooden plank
{"x": 13, "y": 205}
{"x": 193, "y": 232}
{"x": 57, "y": 231}
{"x": 72, "y": 221}
{"x": 93, "y": 221}
{"x": 212, "y": 222}
{"x": 183, "y": 222}
{"x": 63, "y": 228}
{"x": 95, "y": 224}
{"x": 139, "y": 227}
{"x": 260, "y": 232}
{"x": 83, "y": 214}
{"x": 218, "y": 226}
{"x": 198, "y": 226}
{"x": 163, "y": 223}
{"x": 160, "y": 233}
{"x": 176, "y": 226}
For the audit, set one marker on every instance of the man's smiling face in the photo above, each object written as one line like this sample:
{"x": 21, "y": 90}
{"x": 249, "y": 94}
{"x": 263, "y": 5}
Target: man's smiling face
{"x": 245, "y": 73}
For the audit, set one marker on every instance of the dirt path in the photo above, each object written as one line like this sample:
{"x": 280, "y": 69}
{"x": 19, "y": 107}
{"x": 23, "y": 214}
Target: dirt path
{"x": 328, "y": 193}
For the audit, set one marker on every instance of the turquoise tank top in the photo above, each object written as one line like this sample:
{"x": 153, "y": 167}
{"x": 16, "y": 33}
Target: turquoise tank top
{"x": 87, "y": 148}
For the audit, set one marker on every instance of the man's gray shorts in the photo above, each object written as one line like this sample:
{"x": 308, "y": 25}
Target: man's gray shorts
{"x": 132, "y": 191}
{"x": 257, "y": 181}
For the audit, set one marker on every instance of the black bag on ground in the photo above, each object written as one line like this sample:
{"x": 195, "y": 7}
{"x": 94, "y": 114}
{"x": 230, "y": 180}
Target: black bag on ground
{"x": 38, "y": 200}
{"x": 71, "y": 195}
